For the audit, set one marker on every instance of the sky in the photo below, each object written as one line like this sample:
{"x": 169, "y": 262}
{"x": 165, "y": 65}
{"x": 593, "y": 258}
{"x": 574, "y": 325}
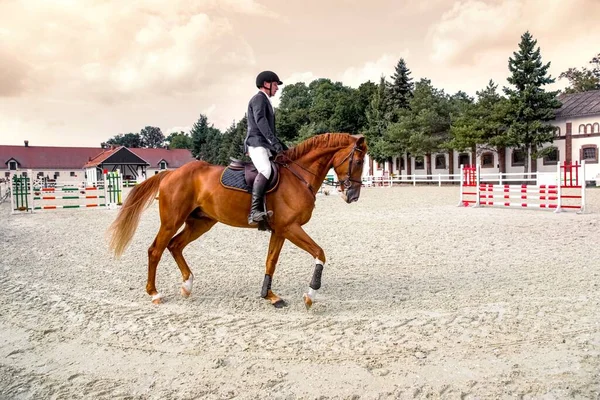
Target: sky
{"x": 77, "y": 72}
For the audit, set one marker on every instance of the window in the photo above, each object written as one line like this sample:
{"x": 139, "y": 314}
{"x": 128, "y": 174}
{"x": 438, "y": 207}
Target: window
{"x": 596, "y": 128}
{"x": 163, "y": 165}
{"x": 552, "y": 157}
{"x": 440, "y": 161}
{"x": 518, "y": 158}
{"x": 588, "y": 128}
{"x": 557, "y": 131}
{"x": 400, "y": 163}
{"x": 12, "y": 165}
{"x": 419, "y": 162}
{"x": 7, "y": 174}
{"x": 40, "y": 175}
{"x": 72, "y": 173}
{"x": 589, "y": 153}
{"x": 24, "y": 174}
{"x": 464, "y": 159}
{"x": 582, "y": 128}
{"x": 487, "y": 160}
{"x": 56, "y": 174}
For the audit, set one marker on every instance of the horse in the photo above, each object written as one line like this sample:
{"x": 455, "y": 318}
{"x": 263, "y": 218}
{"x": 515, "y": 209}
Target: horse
{"x": 193, "y": 195}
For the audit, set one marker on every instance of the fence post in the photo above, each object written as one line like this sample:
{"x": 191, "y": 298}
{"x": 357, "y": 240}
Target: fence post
{"x": 478, "y": 184}
{"x": 559, "y": 187}
{"x": 439, "y": 180}
{"x": 583, "y": 184}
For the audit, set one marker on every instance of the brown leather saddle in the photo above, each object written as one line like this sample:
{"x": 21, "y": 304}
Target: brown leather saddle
{"x": 240, "y": 175}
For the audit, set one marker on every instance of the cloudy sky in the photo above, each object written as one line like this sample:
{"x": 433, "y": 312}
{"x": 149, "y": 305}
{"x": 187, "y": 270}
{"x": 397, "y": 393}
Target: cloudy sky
{"x": 77, "y": 72}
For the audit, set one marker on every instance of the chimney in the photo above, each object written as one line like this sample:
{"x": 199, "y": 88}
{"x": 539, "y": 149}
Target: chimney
{"x": 26, "y": 143}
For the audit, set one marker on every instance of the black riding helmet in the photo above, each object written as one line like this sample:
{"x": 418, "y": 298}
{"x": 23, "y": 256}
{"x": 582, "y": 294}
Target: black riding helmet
{"x": 267, "y": 76}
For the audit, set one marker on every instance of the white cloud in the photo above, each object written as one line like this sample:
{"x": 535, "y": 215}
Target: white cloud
{"x": 372, "y": 70}
{"x": 472, "y": 28}
{"x": 112, "y": 50}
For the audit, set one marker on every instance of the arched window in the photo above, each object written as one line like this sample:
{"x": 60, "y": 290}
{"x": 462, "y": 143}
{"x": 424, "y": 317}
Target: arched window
{"x": 552, "y": 157}
{"x": 582, "y": 128}
{"x": 419, "y": 162}
{"x": 487, "y": 160}
{"x": 596, "y": 128}
{"x": 440, "y": 161}
{"x": 464, "y": 159}
{"x": 588, "y": 128}
{"x": 589, "y": 153}
{"x": 518, "y": 158}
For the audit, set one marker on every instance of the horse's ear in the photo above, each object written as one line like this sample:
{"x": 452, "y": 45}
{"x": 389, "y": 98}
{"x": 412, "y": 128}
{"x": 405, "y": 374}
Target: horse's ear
{"x": 360, "y": 139}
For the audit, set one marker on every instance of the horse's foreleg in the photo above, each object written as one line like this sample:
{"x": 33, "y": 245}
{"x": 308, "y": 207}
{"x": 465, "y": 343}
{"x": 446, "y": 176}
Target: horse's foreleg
{"x": 275, "y": 245}
{"x": 155, "y": 252}
{"x": 194, "y": 228}
{"x": 300, "y": 238}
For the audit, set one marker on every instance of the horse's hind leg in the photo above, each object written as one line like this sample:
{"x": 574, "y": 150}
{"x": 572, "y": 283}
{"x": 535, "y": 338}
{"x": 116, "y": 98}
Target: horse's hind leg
{"x": 297, "y": 235}
{"x": 275, "y": 245}
{"x": 194, "y": 228}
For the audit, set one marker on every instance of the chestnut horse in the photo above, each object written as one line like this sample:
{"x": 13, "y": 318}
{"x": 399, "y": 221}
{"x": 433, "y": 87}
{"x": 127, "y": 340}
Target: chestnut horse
{"x": 193, "y": 195}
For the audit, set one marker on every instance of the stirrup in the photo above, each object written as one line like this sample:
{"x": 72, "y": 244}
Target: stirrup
{"x": 258, "y": 216}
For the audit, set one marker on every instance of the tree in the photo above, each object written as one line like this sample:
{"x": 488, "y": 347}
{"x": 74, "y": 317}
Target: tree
{"x": 293, "y": 110}
{"x": 132, "y": 140}
{"x": 530, "y": 106}
{"x": 179, "y": 140}
{"x": 377, "y": 122}
{"x": 206, "y": 140}
{"x": 424, "y": 127}
{"x": 152, "y": 137}
{"x": 401, "y": 87}
{"x": 583, "y": 80}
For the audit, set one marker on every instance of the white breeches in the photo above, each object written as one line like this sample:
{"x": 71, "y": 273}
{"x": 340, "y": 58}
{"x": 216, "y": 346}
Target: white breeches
{"x": 260, "y": 159}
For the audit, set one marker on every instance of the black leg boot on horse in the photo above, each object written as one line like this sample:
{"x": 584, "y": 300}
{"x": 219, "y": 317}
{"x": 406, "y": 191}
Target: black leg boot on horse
{"x": 257, "y": 210}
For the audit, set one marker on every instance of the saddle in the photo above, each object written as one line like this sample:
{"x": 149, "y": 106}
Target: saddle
{"x": 240, "y": 175}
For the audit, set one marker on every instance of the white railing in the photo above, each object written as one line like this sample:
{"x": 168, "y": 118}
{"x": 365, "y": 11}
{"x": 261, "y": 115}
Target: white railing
{"x": 410, "y": 179}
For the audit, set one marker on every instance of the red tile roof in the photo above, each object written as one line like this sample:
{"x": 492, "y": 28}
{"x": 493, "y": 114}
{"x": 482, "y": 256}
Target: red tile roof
{"x": 95, "y": 161}
{"x": 48, "y": 157}
{"x": 175, "y": 158}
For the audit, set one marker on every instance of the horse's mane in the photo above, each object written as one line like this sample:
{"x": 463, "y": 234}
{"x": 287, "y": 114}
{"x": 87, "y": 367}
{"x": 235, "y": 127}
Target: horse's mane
{"x": 324, "y": 140}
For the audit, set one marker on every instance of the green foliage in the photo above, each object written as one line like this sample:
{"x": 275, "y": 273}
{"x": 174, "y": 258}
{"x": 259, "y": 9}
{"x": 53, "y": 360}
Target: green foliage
{"x": 583, "y": 80}
{"x": 179, "y": 140}
{"x": 424, "y": 127}
{"x": 152, "y": 137}
{"x": 132, "y": 140}
{"x": 530, "y": 106}
{"x": 481, "y": 123}
{"x": 401, "y": 88}
{"x": 206, "y": 140}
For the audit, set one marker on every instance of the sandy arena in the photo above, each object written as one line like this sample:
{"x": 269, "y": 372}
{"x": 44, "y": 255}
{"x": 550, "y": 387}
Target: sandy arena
{"x": 420, "y": 299}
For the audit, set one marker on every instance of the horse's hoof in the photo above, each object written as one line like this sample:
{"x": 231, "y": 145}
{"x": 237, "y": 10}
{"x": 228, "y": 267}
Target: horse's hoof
{"x": 157, "y": 298}
{"x": 307, "y": 301}
{"x": 185, "y": 293}
{"x": 280, "y": 303}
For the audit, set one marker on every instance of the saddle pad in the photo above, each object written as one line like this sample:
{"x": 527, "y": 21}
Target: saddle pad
{"x": 235, "y": 179}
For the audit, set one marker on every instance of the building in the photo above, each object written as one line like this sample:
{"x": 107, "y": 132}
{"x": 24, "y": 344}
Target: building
{"x": 578, "y": 139}
{"x": 76, "y": 165}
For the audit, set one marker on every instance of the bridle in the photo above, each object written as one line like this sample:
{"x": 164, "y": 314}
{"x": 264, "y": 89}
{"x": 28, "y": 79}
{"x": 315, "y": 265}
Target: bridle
{"x": 346, "y": 183}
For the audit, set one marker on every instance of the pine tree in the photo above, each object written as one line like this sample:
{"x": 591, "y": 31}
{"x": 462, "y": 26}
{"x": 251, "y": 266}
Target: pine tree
{"x": 530, "y": 106}
{"x": 401, "y": 88}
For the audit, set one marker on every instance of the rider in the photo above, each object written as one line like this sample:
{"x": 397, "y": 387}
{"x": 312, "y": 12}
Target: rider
{"x": 261, "y": 142}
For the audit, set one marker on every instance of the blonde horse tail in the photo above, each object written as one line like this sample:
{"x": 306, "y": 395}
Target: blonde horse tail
{"x": 121, "y": 231}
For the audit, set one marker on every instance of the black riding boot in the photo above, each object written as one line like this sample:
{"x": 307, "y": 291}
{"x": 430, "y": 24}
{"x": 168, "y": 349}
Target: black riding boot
{"x": 258, "y": 195}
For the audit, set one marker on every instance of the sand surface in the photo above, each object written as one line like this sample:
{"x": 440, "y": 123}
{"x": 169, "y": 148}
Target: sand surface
{"x": 420, "y": 299}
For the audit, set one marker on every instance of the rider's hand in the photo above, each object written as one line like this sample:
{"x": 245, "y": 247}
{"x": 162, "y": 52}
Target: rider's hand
{"x": 278, "y": 148}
